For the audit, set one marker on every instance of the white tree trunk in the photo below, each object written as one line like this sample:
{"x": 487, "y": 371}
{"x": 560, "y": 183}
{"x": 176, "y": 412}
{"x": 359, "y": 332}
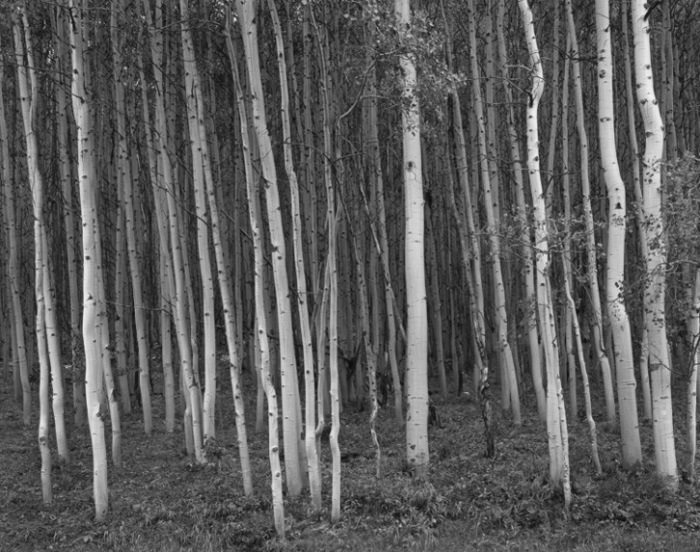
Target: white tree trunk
{"x": 302, "y": 306}
{"x": 591, "y": 263}
{"x": 556, "y": 414}
{"x": 291, "y": 425}
{"x": 197, "y": 144}
{"x": 87, "y": 176}
{"x": 617, "y": 213}
{"x": 654, "y": 294}
{"x": 416, "y": 300}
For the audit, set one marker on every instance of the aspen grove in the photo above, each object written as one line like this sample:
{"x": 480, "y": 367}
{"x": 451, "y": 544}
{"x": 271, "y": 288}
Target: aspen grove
{"x": 267, "y": 222}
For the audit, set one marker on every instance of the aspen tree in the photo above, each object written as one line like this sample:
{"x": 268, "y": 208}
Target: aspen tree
{"x": 643, "y": 361}
{"x": 261, "y": 338}
{"x": 655, "y": 285}
{"x": 617, "y": 213}
{"x": 471, "y": 259}
{"x": 556, "y": 413}
{"x": 21, "y": 365}
{"x": 290, "y": 392}
{"x": 48, "y": 346}
{"x": 417, "y": 316}
{"x": 570, "y": 313}
{"x": 87, "y": 174}
{"x": 302, "y": 301}
{"x": 125, "y": 181}
{"x": 200, "y": 141}
{"x": 166, "y": 276}
{"x": 491, "y": 208}
{"x": 330, "y": 291}
{"x": 591, "y": 263}
{"x": 376, "y": 176}
{"x": 192, "y": 87}
{"x": 576, "y": 330}
{"x": 192, "y": 416}
{"x": 310, "y": 157}
{"x": 694, "y": 330}
{"x": 64, "y": 157}
{"x": 528, "y": 269}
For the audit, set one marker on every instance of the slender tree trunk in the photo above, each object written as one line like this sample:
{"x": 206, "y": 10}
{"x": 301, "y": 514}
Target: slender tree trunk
{"x": 125, "y": 181}
{"x": 62, "y": 110}
{"x": 694, "y": 327}
{"x": 197, "y": 144}
{"x": 13, "y": 268}
{"x": 290, "y": 393}
{"x": 87, "y": 174}
{"x": 556, "y": 414}
{"x": 46, "y": 330}
{"x": 192, "y": 416}
{"x": 302, "y": 302}
{"x": 591, "y": 263}
{"x": 491, "y": 208}
{"x": 639, "y": 207}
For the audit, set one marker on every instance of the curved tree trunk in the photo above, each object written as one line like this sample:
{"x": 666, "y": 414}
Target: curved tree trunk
{"x": 556, "y": 413}
{"x": 622, "y": 333}
{"x": 654, "y": 294}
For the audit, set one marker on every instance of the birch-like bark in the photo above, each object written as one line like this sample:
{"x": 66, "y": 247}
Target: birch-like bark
{"x": 491, "y": 208}
{"x": 48, "y": 346}
{"x": 615, "y": 273}
{"x": 471, "y": 258}
{"x": 13, "y": 265}
{"x": 300, "y": 271}
{"x": 62, "y": 111}
{"x": 528, "y": 269}
{"x": 166, "y": 186}
{"x": 377, "y": 180}
{"x": 638, "y": 204}
{"x": 87, "y": 177}
{"x": 125, "y": 180}
{"x": 417, "y": 315}
{"x": 655, "y": 289}
{"x": 290, "y": 393}
{"x": 556, "y": 413}
{"x": 576, "y": 330}
{"x": 694, "y": 331}
{"x": 591, "y": 262}
{"x": 197, "y": 145}
{"x": 166, "y": 276}
{"x": 261, "y": 338}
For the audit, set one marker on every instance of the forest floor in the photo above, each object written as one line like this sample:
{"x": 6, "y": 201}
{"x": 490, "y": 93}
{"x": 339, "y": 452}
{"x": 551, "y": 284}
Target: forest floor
{"x": 161, "y": 501}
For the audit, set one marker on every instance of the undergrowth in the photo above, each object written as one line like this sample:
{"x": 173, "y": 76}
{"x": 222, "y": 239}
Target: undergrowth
{"x": 160, "y": 500}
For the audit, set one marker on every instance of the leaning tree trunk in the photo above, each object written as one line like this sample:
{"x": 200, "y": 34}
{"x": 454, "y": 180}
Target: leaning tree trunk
{"x": 291, "y": 425}
{"x": 556, "y": 414}
{"x": 302, "y": 301}
{"x": 261, "y": 337}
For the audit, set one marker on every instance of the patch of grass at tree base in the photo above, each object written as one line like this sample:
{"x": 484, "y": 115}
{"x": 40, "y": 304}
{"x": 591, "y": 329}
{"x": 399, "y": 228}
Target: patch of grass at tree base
{"x": 160, "y": 502}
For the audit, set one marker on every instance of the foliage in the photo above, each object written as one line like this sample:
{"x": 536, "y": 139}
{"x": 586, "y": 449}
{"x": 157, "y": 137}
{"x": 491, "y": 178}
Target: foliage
{"x": 161, "y": 501}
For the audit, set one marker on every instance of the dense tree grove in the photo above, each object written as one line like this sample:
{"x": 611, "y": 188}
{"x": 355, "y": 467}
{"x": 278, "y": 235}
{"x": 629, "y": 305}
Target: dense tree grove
{"x": 355, "y": 204}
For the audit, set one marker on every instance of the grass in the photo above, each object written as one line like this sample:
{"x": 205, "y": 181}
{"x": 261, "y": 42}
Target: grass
{"x": 160, "y": 501}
